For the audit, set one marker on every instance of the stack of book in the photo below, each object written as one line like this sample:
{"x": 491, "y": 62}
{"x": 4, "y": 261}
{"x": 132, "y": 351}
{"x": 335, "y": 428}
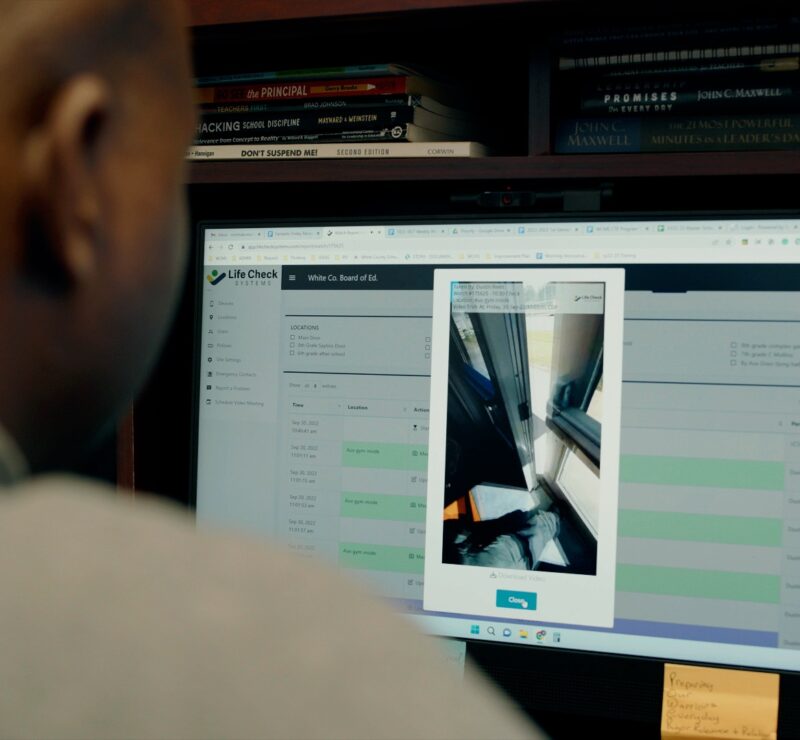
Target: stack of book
{"x": 706, "y": 87}
{"x": 365, "y": 111}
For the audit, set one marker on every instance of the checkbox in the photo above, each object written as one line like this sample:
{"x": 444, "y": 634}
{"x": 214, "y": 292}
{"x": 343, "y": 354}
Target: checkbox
{"x": 291, "y": 344}
{"x": 733, "y": 353}
{"x": 734, "y": 345}
{"x": 292, "y": 336}
{"x": 291, "y": 351}
{"x": 427, "y": 346}
{"x": 427, "y": 339}
{"x": 733, "y": 362}
{"x": 427, "y": 355}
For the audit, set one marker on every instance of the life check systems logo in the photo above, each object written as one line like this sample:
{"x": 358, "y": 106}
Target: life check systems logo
{"x": 244, "y": 278}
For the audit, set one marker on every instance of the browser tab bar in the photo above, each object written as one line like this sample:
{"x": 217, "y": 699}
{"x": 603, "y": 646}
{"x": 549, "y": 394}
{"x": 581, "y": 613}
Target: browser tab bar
{"x": 513, "y": 243}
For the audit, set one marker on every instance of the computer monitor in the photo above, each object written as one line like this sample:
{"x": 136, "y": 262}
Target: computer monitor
{"x": 313, "y": 371}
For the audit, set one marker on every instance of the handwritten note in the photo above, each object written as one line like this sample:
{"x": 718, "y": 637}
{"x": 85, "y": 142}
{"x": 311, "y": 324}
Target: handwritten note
{"x": 718, "y": 703}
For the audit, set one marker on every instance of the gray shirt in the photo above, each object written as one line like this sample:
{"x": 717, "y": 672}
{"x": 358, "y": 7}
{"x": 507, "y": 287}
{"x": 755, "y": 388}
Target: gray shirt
{"x": 120, "y": 619}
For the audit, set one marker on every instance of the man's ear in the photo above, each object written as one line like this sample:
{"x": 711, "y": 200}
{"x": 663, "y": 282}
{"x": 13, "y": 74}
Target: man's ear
{"x": 61, "y": 170}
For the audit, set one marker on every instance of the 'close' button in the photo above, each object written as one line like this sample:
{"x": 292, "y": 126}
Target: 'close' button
{"x": 525, "y": 600}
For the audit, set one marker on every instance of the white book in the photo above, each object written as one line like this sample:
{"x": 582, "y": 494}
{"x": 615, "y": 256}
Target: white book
{"x": 339, "y": 150}
{"x": 493, "y": 500}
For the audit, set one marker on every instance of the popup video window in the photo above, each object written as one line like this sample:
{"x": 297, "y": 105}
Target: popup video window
{"x": 524, "y": 417}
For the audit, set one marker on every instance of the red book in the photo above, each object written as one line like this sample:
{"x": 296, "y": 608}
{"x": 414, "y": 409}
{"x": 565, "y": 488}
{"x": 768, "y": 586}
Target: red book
{"x": 300, "y": 89}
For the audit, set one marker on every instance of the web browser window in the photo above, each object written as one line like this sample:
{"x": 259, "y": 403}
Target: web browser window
{"x": 315, "y": 353}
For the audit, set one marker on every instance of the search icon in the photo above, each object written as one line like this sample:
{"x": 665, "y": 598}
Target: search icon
{"x": 490, "y": 630}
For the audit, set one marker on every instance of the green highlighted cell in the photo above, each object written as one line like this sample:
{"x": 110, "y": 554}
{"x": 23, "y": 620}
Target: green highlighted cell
{"x": 378, "y": 506}
{"x": 361, "y": 556}
{"x": 728, "y": 530}
{"x": 386, "y": 455}
{"x": 706, "y": 584}
{"x": 699, "y": 471}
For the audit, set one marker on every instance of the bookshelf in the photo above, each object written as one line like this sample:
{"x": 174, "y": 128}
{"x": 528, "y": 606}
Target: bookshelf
{"x": 505, "y": 46}
{"x": 205, "y": 13}
{"x": 543, "y": 167}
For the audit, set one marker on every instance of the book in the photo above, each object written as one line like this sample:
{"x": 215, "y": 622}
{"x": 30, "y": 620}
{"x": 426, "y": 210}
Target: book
{"x": 697, "y": 32}
{"x": 674, "y": 55}
{"x": 772, "y": 64}
{"x": 353, "y": 103}
{"x": 676, "y": 134}
{"x": 319, "y": 73}
{"x": 324, "y": 88}
{"x": 341, "y": 150}
{"x": 214, "y": 125}
{"x": 712, "y": 94}
{"x": 492, "y": 500}
{"x": 401, "y": 132}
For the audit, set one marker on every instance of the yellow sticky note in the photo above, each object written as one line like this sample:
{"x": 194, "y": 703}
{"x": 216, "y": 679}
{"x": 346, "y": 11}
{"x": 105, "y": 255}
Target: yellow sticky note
{"x": 719, "y": 703}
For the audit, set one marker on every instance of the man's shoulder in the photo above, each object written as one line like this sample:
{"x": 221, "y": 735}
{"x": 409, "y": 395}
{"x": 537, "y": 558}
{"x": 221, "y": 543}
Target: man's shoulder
{"x": 126, "y": 619}
{"x": 68, "y": 525}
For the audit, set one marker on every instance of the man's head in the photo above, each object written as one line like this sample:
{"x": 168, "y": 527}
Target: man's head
{"x": 95, "y": 116}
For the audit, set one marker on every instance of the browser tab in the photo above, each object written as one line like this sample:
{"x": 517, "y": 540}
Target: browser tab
{"x": 289, "y": 233}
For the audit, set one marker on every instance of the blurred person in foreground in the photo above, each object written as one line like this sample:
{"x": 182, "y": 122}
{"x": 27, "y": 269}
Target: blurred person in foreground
{"x": 119, "y": 619}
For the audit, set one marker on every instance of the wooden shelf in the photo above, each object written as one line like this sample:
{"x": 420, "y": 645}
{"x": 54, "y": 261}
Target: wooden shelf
{"x": 205, "y": 13}
{"x": 603, "y": 166}
{"x": 223, "y": 12}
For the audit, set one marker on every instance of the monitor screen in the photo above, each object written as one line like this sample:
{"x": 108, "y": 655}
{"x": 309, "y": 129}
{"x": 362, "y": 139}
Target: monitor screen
{"x": 424, "y": 400}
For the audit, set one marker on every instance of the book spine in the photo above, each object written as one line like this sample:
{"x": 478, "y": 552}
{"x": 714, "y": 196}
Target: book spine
{"x": 360, "y": 70}
{"x": 395, "y": 133}
{"x": 237, "y": 125}
{"x": 320, "y": 104}
{"x": 775, "y": 64}
{"x": 711, "y": 31}
{"x": 677, "y": 56}
{"x": 341, "y": 88}
{"x": 349, "y": 150}
{"x": 676, "y": 134}
{"x": 676, "y": 96}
